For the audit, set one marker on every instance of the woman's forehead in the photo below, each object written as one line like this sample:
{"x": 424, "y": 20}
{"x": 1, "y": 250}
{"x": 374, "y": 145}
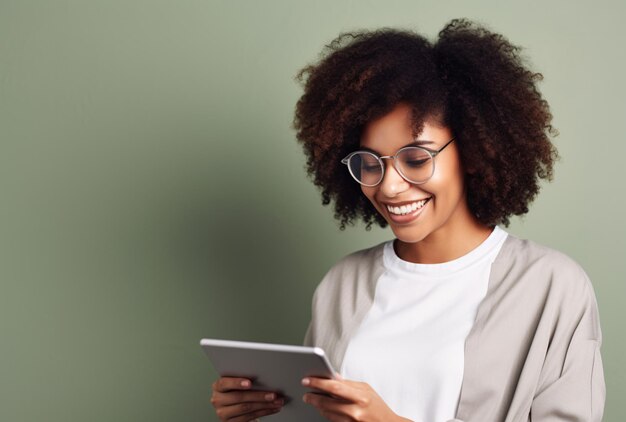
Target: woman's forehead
{"x": 400, "y": 124}
{"x": 396, "y": 123}
{"x": 399, "y": 136}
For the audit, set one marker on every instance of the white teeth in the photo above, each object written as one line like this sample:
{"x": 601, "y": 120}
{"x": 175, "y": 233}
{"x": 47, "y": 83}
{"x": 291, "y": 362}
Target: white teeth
{"x": 405, "y": 209}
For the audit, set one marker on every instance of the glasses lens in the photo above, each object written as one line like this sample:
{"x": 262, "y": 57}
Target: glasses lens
{"x": 416, "y": 164}
{"x": 366, "y": 168}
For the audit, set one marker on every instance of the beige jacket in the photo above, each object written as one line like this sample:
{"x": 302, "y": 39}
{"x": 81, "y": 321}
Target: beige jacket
{"x": 533, "y": 353}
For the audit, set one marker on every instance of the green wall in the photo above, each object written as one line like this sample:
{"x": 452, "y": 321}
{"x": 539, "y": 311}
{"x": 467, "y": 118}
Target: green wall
{"x": 152, "y": 191}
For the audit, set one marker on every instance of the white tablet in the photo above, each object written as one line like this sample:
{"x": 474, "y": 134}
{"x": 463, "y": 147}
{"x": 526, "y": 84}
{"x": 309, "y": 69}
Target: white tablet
{"x": 273, "y": 367}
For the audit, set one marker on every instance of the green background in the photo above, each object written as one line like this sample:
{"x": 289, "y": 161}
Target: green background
{"x": 153, "y": 192}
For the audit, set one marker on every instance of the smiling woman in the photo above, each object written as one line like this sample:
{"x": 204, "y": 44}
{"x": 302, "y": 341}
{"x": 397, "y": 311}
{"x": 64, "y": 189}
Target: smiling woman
{"x": 440, "y": 226}
{"x": 453, "y": 319}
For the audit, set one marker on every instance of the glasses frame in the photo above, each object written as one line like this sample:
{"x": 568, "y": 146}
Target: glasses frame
{"x": 432, "y": 153}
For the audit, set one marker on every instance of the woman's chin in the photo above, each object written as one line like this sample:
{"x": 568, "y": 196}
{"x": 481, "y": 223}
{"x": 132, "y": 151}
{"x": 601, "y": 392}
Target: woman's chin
{"x": 408, "y": 234}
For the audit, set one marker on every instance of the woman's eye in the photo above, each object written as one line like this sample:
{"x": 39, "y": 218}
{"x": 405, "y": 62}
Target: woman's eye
{"x": 416, "y": 163}
{"x": 370, "y": 169}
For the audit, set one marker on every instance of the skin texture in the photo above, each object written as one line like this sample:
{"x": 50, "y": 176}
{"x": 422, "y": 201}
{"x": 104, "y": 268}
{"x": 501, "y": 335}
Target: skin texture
{"x": 351, "y": 401}
{"x": 444, "y": 230}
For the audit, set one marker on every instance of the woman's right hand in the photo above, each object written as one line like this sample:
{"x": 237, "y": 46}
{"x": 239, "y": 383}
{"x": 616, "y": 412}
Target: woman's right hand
{"x": 235, "y": 402}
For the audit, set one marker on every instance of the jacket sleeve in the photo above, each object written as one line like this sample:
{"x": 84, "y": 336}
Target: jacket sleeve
{"x": 308, "y": 336}
{"x": 578, "y": 393}
{"x": 311, "y": 331}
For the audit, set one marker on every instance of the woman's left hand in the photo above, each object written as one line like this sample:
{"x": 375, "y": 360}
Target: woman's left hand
{"x": 350, "y": 401}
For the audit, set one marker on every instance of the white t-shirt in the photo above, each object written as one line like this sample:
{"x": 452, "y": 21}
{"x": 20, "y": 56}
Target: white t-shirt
{"x": 410, "y": 345}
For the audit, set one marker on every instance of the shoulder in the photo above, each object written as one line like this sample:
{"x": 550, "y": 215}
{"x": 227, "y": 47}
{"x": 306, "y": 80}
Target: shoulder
{"x": 351, "y": 269}
{"x": 359, "y": 258}
{"x": 537, "y": 281}
{"x": 545, "y": 268}
{"x": 529, "y": 253}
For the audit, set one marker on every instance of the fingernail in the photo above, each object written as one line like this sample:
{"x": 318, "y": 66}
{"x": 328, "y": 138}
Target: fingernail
{"x": 306, "y": 381}
{"x": 245, "y": 383}
{"x": 269, "y": 397}
{"x": 304, "y": 398}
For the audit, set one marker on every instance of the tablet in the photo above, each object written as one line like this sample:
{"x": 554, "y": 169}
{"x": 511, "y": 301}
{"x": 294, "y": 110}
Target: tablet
{"x": 273, "y": 367}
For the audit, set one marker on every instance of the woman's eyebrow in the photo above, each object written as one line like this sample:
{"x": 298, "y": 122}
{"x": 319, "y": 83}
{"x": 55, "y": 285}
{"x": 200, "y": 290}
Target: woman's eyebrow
{"x": 417, "y": 142}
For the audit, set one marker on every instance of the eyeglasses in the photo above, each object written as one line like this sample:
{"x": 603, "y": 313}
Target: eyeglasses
{"x": 415, "y": 164}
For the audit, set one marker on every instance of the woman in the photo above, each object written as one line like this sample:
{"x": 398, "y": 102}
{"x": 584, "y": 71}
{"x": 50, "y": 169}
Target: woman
{"x": 454, "y": 319}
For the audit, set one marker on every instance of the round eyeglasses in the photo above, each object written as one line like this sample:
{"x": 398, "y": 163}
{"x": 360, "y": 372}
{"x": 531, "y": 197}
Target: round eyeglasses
{"x": 415, "y": 164}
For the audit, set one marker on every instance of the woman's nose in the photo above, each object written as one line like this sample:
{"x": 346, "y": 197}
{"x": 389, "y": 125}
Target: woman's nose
{"x": 393, "y": 183}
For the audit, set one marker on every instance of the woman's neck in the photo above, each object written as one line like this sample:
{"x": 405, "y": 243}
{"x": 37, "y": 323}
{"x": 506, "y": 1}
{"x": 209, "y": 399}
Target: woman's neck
{"x": 446, "y": 243}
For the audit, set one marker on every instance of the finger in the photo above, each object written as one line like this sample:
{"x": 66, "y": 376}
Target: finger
{"x": 234, "y": 397}
{"x": 328, "y": 403}
{"x": 250, "y": 415}
{"x": 253, "y": 417}
{"x": 335, "y": 417}
{"x": 225, "y": 384}
{"x": 335, "y": 412}
{"x": 336, "y": 388}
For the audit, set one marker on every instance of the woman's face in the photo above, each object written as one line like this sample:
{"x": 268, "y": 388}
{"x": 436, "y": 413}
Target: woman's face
{"x": 442, "y": 207}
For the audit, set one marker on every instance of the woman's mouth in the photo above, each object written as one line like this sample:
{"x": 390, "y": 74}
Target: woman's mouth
{"x": 407, "y": 212}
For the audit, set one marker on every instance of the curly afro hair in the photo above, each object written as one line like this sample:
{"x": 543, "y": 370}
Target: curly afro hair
{"x": 471, "y": 80}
